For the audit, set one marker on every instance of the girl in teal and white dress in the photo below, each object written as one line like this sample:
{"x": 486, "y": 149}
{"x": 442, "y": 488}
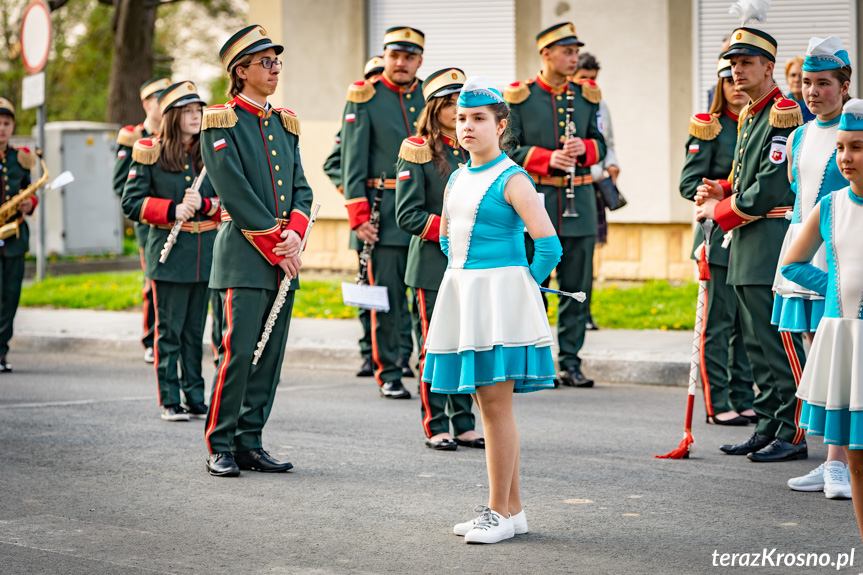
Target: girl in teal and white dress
{"x": 813, "y": 173}
{"x": 489, "y": 334}
{"x": 832, "y": 384}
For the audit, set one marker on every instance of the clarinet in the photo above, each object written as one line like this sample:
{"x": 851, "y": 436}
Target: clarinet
{"x": 570, "y": 211}
{"x": 374, "y": 219}
{"x": 175, "y": 230}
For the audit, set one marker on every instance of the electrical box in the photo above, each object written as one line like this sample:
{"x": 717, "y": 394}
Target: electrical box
{"x": 83, "y": 218}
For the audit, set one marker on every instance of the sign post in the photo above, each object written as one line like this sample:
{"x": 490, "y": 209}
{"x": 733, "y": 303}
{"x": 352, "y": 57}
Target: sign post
{"x": 36, "y": 34}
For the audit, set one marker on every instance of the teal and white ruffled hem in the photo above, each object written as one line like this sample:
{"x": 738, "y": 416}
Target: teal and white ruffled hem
{"x": 796, "y": 314}
{"x": 838, "y": 426}
{"x": 531, "y": 367}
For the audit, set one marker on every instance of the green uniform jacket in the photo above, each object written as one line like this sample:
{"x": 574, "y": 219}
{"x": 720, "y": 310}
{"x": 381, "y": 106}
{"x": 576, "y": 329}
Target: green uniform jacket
{"x": 15, "y": 169}
{"x": 126, "y": 138}
{"x": 709, "y": 154}
{"x": 760, "y": 191}
{"x": 150, "y": 197}
{"x": 333, "y": 164}
{"x": 419, "y": 203}
{"x": 252, "y": 156}
{"x": 378, "y": 117}
{"x": 538, "y": 114}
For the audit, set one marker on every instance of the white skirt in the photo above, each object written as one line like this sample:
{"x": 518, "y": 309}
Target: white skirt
{"x": 787, "y": 288}
{"x": 833, "y": 376}
{"x": 478, "y": 309}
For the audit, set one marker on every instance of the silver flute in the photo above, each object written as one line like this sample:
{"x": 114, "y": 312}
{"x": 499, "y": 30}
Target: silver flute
{"x": 569, "y": 210}
{"x": 175, "y": 231}
{"x": 284, "y": 287}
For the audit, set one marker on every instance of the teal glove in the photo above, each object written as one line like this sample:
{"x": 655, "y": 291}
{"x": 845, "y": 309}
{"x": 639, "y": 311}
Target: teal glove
{"x": 807, "y": 276}
{"x": 546, "y": 255}
{"x": 444, "y": 245}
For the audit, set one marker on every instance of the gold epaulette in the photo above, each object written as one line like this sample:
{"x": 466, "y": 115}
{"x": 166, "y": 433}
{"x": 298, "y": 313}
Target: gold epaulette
{"x": 361, "y": 92}
{"x": 785, "y": 113}
{"x": 705, "y": 126}
{"x": 289, "y": 120}
{"x": 516, "y": 93}
{"x": 590, "y": 91}
{"x": 128, "y": 135}
{"x": 415, "y": 150}
{"x": 146, "y": 151}
{"x": 219, "y": 116}
{"x": 26, "y": 158}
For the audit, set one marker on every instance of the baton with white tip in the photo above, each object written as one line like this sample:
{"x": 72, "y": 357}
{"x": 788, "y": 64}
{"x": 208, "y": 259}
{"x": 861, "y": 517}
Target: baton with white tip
{"x": 578, "y": 296}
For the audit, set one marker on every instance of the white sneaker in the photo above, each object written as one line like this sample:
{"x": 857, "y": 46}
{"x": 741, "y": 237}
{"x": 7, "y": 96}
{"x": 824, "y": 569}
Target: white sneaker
{"x": 491, "y": 527}
{"x": 519, "y": 523}
{"x": 837, "y": 481}
{"x": 812, "y": 481}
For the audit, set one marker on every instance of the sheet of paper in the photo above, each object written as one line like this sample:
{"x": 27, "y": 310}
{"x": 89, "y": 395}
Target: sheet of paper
{"x": 366, "y": 297}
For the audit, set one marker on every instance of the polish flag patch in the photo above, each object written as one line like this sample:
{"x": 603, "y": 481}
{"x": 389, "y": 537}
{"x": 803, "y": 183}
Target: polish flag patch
{"x": 350, "y": 117}
{"x": 219, "y": 144}
{"x": 132, "y": 174}
{"x": 693, "y": 148}
{"x": 122, "y": 154}
{"x": 404, "y": 175}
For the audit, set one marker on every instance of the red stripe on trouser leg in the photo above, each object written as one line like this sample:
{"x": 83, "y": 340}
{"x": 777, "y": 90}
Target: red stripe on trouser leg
{"x": 156, "y": 340}
{"x": 424, "y": 388}
{"x": 376, "y": 358}
{"x": 705, "y": 379}
{"x": 794, "y": 362}
{"x": 145, "y": 291}
{"x": 215, "y": 402}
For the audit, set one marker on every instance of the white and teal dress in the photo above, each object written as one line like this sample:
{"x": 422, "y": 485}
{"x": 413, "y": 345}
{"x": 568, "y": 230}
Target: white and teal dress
{"x": 489, "y": 323}
{"x": 814, "y": 174}
{"x": 832, "y": 384}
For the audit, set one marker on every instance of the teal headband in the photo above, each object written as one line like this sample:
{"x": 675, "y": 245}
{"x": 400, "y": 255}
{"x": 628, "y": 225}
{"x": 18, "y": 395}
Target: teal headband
{"x": 824, "y": 62}
{"x": 479, "y": 91}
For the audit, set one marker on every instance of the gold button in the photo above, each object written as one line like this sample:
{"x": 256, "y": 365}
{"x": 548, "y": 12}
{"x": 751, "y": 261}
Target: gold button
{"x": 284, "y": 214}
{"x": 277, "y": 167}
{"x": 281, "y": 197}
{"x": 260, "y": 114}
{"x": 280, "y": 183}
{"x": 186, "y": 167}
{"x": 270, "y": 137}
{"x": 561, "y": 124}
{"x": 560, "y": 110}
{"x": 188, "y": 178}
{"x": 745, "y": 136}
{"x": 455, "y": 152}
{"x": 408, "y": 96}
{"x": 412, "y": 109}
{"x": 750, "y": 120}
{"x": 415, "y": 124}
{"x": 274, "y": 152}
{"x": 266, "y": 122}
{"x": 460, "y": 165}
{"x": 741, "y": 150}
{"x": 7, "y": 187}
{"x": 5, "y": 169}
{"x": 559, "y": 98}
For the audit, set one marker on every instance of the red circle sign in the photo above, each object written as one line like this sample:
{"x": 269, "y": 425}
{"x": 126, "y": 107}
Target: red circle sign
{"x": 35, "y": 36}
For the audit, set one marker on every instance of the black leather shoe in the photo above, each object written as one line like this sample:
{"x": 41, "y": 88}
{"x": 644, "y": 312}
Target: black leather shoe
{"x": 751, "y": 445}
{"x": 779, "y": 450}
{"x": 590, "y": 324}
{"x": 478, "y": 443}
{"x": 222, "y": 464}
{"x": 405, "y": 364}
{"x": 5, "y": 367}
{"x": 443, "y": 445}
{"x": 739, "y": 420}
{"x": 260, "y": 460}
{"x": 394, "y": 390}
{"x": 752, "y": 418}
{"x": 367, "y": 369}
{"x": 572, "y": 377}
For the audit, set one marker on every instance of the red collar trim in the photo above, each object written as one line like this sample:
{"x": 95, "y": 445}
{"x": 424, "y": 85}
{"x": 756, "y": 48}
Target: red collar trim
{"x": 251, "y": 107}
{"x": 731, "y": 114}
{"x": 762, "y": 102}
{"x": 395, "y": 88}
{"x": 545, "y": 85}
{"x": 449, "y": 141}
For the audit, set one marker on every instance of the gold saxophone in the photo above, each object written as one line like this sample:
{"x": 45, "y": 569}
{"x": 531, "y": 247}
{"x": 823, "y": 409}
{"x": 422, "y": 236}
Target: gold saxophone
{"x": 9, "y": 217}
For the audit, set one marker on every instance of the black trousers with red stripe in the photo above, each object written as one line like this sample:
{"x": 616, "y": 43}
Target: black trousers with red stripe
{"x": 406, "y": 343}
{"x": 435, "y": 405}
{"x": 777, "y": 361}
{"x": 148, "y": 307}
{"x": 243, "y": 394}
{"x": 387, "y": 267}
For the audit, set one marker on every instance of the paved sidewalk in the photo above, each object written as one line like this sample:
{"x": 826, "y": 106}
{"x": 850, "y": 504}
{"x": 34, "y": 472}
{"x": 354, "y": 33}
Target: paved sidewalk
{"x": 617, "y": 356}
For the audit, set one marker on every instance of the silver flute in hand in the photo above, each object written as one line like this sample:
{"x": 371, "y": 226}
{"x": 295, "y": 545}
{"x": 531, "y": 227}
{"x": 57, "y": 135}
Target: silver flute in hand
{"x": 175, "y": 231}
{"x": 284, "y": 287}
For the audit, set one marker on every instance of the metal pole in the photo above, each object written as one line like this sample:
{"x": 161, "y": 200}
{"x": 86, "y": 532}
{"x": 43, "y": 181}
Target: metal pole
{"x": 40, "y": 252}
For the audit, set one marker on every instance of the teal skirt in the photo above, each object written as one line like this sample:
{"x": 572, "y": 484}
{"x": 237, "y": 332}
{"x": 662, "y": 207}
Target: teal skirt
{"x": 796, "y": 314}
{"x": 532, "y": 369}
{"x": 838, "y": 426}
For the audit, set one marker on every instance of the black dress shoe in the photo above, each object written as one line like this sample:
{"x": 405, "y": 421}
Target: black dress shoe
{"x": 590, "y": 324}
{"x": 779, "y": 450}
{"x": 260, "y": 460}
{"x": 572, "y": 377}
{"x": 752, "y": 418}
{"x": 405, "y": 364}
{"x": 443, "y": 445}
{"x": 739, "y": 420}
{"x": 478, "y": 443}
{"x": 751, "y": 445}
{"x": 222, "y": 464}
{"x": 395, "y": 390}
{"x": 366, "y": 369}
{"x": 5, "y": 367}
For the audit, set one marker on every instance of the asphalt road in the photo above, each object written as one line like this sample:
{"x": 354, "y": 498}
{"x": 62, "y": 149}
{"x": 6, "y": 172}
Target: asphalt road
{"x": 92, "y": 481}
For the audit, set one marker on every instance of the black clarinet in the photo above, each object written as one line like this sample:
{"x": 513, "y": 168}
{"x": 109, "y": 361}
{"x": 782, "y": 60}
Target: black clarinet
{"x": 570, "y": 211}
{"x": 374, "y": 219}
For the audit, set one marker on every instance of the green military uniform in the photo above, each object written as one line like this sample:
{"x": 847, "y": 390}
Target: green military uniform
{"x": 180, "y": 284}
{"x": 378, "y": 116}
{"x": 725, "y": 373}
{"x": 538, "y": 124}
{"x": 755, "y": 211}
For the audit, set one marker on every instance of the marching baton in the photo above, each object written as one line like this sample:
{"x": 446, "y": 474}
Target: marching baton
{"x": 175, "y": 231}
{"x": 687, "y": 444}
{"x": 284, "y": 287}
{"x": 578, "y": 296}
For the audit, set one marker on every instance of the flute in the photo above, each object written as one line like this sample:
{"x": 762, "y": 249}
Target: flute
{"x": 284, "y": 287}
{"x": 175, "y": 231}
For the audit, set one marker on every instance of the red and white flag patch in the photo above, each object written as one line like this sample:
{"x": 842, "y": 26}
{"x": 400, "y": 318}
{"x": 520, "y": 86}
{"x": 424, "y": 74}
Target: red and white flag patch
{"x": 219, "y": 144}
{"x": 693, "y": 148}
{"x": 122, "y": 154}
{"x": 350, "y": 117}
{"x": 132, "y": 174}
{"x": 404, "y": 175}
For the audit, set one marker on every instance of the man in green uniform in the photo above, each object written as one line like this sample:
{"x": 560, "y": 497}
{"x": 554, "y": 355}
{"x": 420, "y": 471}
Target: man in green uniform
{"x": 251, "y": 152}
{"x": 754, "y": 205}
{"x": 15, "y": 166}
{"x": 126, "y": 138}
{"x": 538, "y": 123}
{"x": 378, "y": 117}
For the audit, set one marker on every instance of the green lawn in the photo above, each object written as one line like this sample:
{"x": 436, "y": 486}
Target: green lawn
{"x": 648, "y": 305}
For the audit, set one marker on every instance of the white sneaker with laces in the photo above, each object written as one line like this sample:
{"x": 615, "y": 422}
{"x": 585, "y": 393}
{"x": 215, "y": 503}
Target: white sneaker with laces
{"x": 812, "y": 481}
{"x": 519, "y": 523}
{"x": 837, "y": 481}
{"x": 492, "y": 527}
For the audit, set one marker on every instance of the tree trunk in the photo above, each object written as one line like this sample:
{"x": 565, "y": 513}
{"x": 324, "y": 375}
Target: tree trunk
{"x": 132, "y": 65}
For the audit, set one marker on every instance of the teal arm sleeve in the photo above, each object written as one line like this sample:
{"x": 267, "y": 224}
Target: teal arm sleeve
{"x": 807, "y": 276}
{"x": 546, "y": 255}
{"x": 444, "y": 245}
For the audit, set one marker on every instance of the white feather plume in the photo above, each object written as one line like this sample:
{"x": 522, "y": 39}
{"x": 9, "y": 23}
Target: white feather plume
{"x": 750, "y": 10}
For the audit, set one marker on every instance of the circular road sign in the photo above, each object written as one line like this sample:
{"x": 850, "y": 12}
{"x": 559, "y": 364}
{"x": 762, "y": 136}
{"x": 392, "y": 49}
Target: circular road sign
{"x": 35, "y": 36}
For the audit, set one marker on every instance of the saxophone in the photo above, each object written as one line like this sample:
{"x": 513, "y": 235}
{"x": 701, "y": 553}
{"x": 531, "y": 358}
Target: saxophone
{"x": 9, "y": 220}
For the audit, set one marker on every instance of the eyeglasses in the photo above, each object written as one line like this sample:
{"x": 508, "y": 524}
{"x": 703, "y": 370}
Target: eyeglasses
{"x": 268, "y": 64}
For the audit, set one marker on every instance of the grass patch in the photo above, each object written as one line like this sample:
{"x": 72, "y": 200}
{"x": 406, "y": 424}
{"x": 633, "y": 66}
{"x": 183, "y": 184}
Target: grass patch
{"x": 111, "y": 291}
